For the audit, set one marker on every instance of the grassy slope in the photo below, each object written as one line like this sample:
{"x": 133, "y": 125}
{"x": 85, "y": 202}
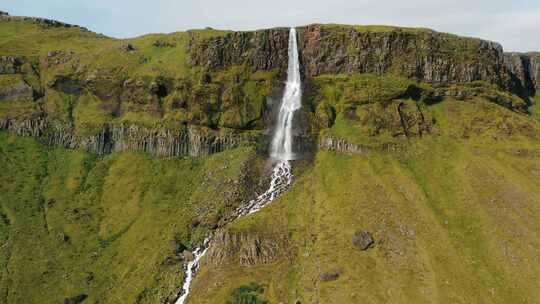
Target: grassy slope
{"x": 452, "y": 225}
{"x": 93, "y": 56}
{"x": 29, "y": 39}
{"x": 455, "y": 221}
{"x": 535, "y": 107}
{"x": 75, "y": 223}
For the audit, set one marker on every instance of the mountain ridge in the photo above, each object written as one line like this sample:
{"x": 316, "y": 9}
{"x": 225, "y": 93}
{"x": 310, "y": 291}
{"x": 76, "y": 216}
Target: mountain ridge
{"x": 83, "y": 97}
{"x": 118, "y": 157}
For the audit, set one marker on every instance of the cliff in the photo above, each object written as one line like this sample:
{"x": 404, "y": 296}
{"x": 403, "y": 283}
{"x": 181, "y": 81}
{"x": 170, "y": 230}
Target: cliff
{"x": 525, "y": 68}
{"x": 423, "y": 167}
{"x": 203, "y": 91}
{"x": 159, "y": 142}
{"x": 420, "y": 54}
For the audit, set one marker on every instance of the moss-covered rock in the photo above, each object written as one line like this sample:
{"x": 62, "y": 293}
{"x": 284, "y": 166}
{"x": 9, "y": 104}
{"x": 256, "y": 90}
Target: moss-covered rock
{"x": 14, "y": 88}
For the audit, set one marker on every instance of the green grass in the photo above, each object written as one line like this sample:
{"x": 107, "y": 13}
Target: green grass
{"x": 77, "y": 223}
{"x": 440, "y": 212}
{"x": 117, "y": 86}
{"x": 30, "y": 39}
{"x": 534, "y": 109}
{"x": 454, "y": 212}
{"x": 363, "y": 109}
{"x": 247, "y": 294}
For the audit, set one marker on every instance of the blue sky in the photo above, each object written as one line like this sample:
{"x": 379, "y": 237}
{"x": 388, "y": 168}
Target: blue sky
{"x": 513, "y": 23}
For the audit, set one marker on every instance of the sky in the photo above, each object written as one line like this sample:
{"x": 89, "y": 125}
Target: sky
{"x": 513, "y": 23}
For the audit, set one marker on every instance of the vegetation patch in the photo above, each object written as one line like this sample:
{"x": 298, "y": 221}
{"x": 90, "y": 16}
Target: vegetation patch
{"x": 247, "y": 294}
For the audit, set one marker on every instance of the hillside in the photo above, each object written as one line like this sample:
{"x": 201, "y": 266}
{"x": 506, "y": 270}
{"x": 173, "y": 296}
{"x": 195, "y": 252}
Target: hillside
{"x": 119, "y": 156}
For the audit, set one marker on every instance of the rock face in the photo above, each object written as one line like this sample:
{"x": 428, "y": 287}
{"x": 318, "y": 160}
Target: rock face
{"x": 421, "y": 54}
{"x": 342, "y": 146}
{"x": 117, "y": 138}
{"x": 244, "y": 249}
{"x": 232, "y": 86}
{"x": 534, "y": 69}
{"x": 260, "y": 50}
{"x": 201, "y": 131}
{"x": 525, "y": 69}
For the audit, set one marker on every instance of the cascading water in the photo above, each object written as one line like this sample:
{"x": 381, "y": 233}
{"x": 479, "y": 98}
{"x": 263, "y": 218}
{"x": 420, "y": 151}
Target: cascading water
{"x": 191, "y": 268}
{"x": 282, "y": 146}
{"x": 281, "y": 150}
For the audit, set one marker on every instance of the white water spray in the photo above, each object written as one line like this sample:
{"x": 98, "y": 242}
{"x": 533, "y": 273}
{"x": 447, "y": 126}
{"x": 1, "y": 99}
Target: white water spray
{"x": 281, "y": 150}
{"x": 191, "y": 269}
{"x": 282, "y": 143}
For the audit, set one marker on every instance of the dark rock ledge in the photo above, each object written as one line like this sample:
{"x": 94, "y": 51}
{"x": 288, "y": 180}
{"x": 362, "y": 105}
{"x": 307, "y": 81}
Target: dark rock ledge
{"x": 161, "y": 142}
{"x": 340, "y": 145}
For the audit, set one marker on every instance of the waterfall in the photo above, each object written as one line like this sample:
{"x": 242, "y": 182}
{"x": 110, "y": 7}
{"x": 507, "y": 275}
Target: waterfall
{"x": 191, "y": 268}
{"x": 281, "y": 150}
{"x": 282, "y": 143}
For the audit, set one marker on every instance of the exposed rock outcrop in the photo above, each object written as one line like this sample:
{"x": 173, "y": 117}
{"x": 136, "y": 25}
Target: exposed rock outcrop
{"x": 260, "y": 50}
{"x": 18, "y": 90}
{"x": 416, "y": 53}
{"x": 244, "y": 248}
{"x": 343, "y": 146}
{"x": 363, "y": 240}
{"x": 525, "y": 70}
{"x": 161, "y": 142}
{"x": 10, "y": 64}
{"x": 127, "y": 47}
{"x": 227, "y": 102}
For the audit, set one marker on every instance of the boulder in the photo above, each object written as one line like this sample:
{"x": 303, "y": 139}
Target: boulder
{"x": 363, "y": 240}
{"x": 163, "y": 44}
{"x": 330, "y": 275}
{"x": 63, "y": 237}
{"x": 10, "y": 64}
{"x": 76, "y": 299}
{"x": 188, "y": 255}
{"x": 128, "y": 47}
